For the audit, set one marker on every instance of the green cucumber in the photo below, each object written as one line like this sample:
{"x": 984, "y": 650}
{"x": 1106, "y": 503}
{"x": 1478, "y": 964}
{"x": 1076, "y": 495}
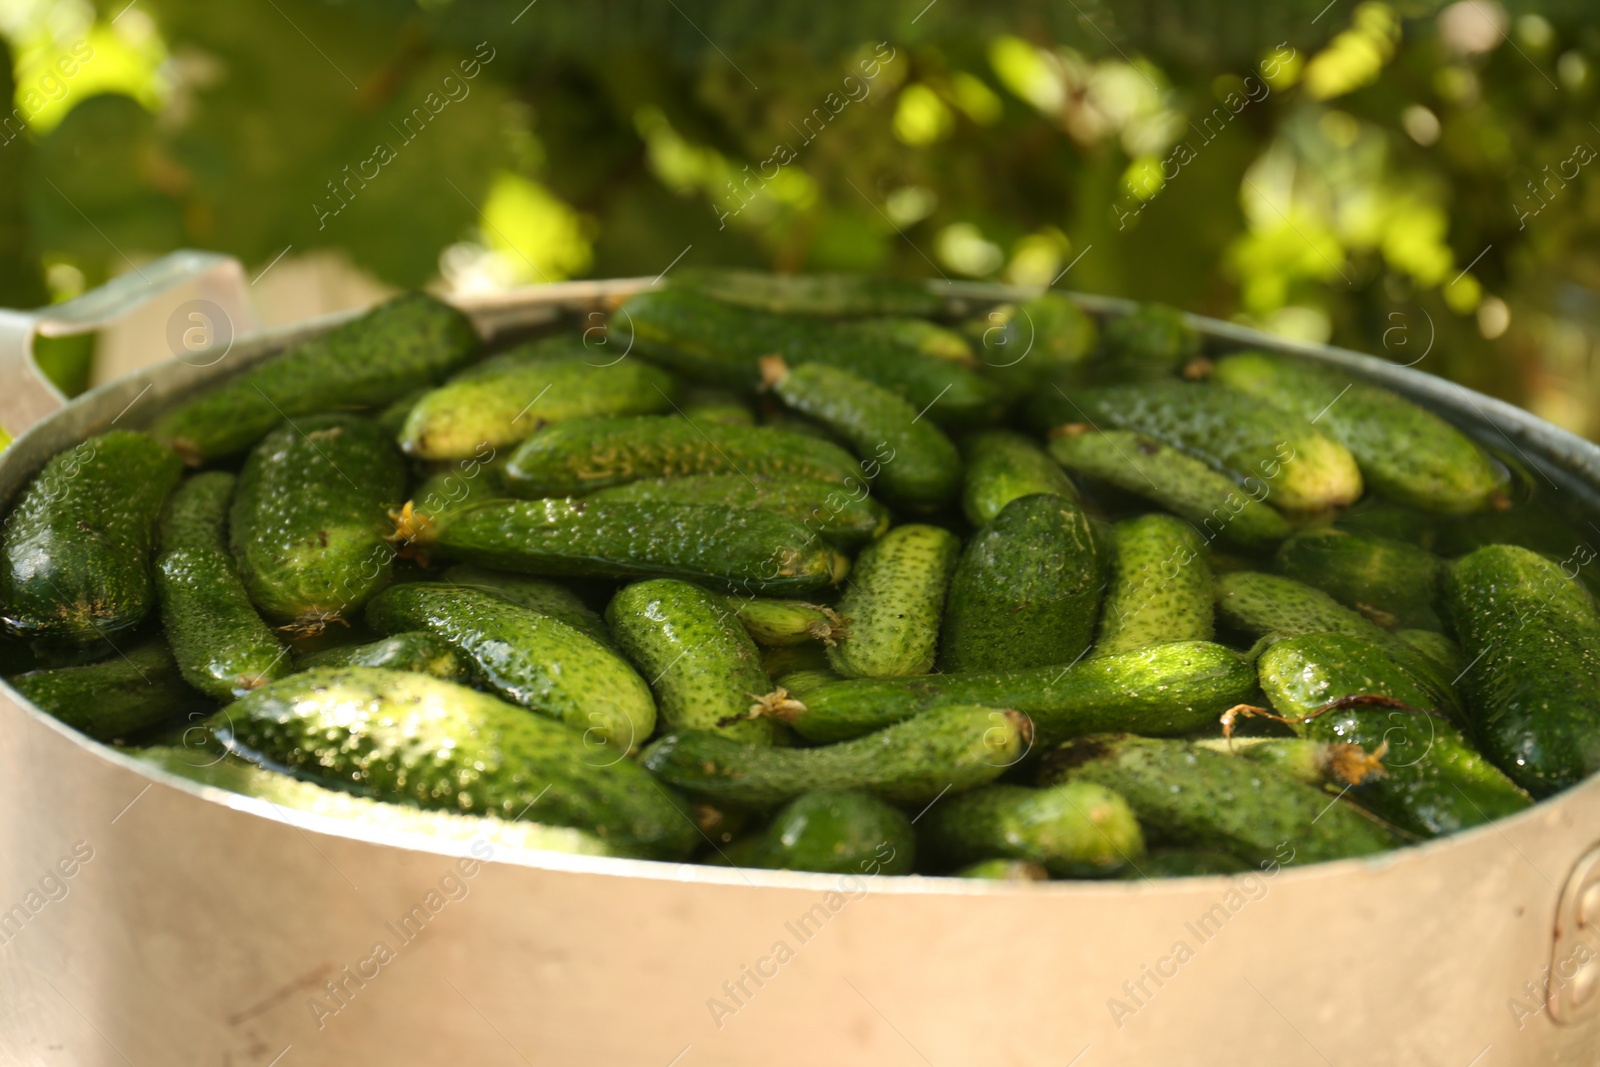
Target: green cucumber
{"x": 1002, "y": 466}
{"x": 1437, "y": 647}
{"x": 893, "y": 604}
{"x": 775, "y": 623}
{"x": 114, "y": 699}
{"x": 453, "y": 489}
{"x": 1187, "y": 863}
{"x": 920, "y": 336}
{"x": 196, "y": 513}
{"x": 834, "y": 831}
{"x": 1074, "y": 830}
{"x": 528, "y": 658}
{"x": 545, "y": 597}
{"x": 414, "y": 739}
{"x": 799, "y": 682}
{"x": 1036, "y": 344}
{"x": 788, "y": 659}
{"x": 221, "y": 643}
{"x": 702, "y": 404}
{"x": 1004, "y": 871}
{"x": 397, "y": 347}
{"x": 845, "y": 515}
{"x": 1027, "y": 590}
{"x": 1160, "y": 589}
{"x": 1149, "y": 343}
{"x": 951, "y": 749}
{"x": 418, "y": 651}
{"x": 1334, "y": 764}
{"x": 77, "y": 543}
{"x": 1390, "y": 582}
{"x": 1405, "y": 452}
{"x": 822, "y": 295}
{"x": 1373, "y": 516}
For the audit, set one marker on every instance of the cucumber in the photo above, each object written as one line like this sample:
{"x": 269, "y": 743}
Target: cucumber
{"x": 1074, "y": 830}
{"x": 452, "y": 490}
{"x": 196, "y": 513}
{"x": 528, "y": 658}
{"x": 845, "y": 515}
{"x": 1532, "y": 637}
{"x": 586, "y": 454}
{"x": 1027, "y": 590}
{"x": 1189, "y": 796}
{"x": 1334, "y": 764}
{"x": 1177, "y": 482}
{"x": 1187, "y": 863}
{"x": 701, "y": 404}
{"x": 114, "y": 699}
{"x": 951, "y": 749}
{"x": 789, "y": 659}
{"x": 77, "y": 544}
{"x": 823, "y": 295}
{"x": 1373, "y": 516}
{"x": 920, "y": 336}
{"x": 1004, "y": 871}
{"x": 221, "y": 644}
{"x": 1160, "y": 589}
{"x": 1437, "y": 647}
{"x": 545, "y": 597}
{"x": 1149, "y": 343}
{"x": 776, "y": 623}
{"x": 404, "y": 344}
{"x": 413, "y": 739}
{"x": 1255, "y": 444}
{"x": 503, "y": 400}
{"x": 418, "y": 651}
{"x": 1390, "y": 582}
{"x": 798, "y": 683}
{"x": 893, "y": 604}
{"x": 1405, "y": 452}
{"x": 1002, "y": 466}
{"x": 1168, "y": 689}
{"x": 1037, "y": 344}
{"x": 308, "y": 521}
{"x": 834, "y": 831}
{"x": 919, "y": 468}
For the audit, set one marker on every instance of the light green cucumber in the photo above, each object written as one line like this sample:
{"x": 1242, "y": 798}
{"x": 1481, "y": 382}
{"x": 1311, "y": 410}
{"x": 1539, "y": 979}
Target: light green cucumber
{"x": 1002, "y": 466}
{"x": 1390, "y": 582}
{"x": 1074, "y": 830}
{"x": 844, "y": 514}
{"x": 1160, "y": 588}
{"x": 776, "y": 623}
{"x": 920, "y": 336}
{"x": 834, "y": 831}
{"x": 893, "y": 604}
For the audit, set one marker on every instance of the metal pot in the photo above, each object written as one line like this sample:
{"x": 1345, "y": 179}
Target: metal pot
{"x": 145, "y": 920}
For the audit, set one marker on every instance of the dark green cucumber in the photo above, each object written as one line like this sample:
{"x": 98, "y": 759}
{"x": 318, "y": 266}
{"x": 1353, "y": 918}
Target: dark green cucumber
{"x": 220, "y": 642}
{"x": 822, "y": 295}
{"x": 398, "y": 346}
{"x": 77, "y": 544}
{"x": 845, "y": 515}
{"x": 545, "y": 597}
{"x": 1180, "y": 483}
{"x": 1168, "y": 689}
{"x": 531, "y": 659}
{"x": 1160, "y": 588}
{"x": 1149, "y": 343}
{"x": 920, "y": 336}
{"x": 418, "y": 651}
{"x": 775, "y": 623}
{"x": 1004, "y": 871}
{"x": 1405, "y": 452}
{"x": 834, "y": 831}
{"x": 1002, "y": 466}
{"x": 1075, "y": 830}
{"x": 1037, "y": 344}
{"x": 1532, "y": 637}
{"x": 1187, "y": 863}
{"x": 1027, "y": 590}
{"x": 951, "y": 749}
{"x": 114, "y": 699}
{"x": 1390, "y": 582}
{"x": 788, "y": 659}
{"x": 1373, "y": 516}
{"x": 1190, "y": 796}
{"x": 702, "y": 665}
{"x": 196, "y": 513}
{"x": 893, "y": 604}
{"x": 414, "y": 739}
{"x": 918, "y": 468}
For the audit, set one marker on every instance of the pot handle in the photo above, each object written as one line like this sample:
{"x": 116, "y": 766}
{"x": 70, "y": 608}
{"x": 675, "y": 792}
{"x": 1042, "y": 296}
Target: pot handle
{"x": 26, "y": 395}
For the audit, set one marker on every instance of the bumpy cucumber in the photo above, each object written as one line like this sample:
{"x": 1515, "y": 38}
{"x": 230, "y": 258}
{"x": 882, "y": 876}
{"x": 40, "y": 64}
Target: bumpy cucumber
{"x": 1168, "y": 689}
{"x": 1190, "y": 796}
{"x": 1150, "y": 343}
{"x": 1390, "y": 582}
{"x": 844, "y": 514}
{"x": 919, "y": 468}
{"x": 1187, "y": 863}
{"x": 586, "y": 454}
{"x": 893, "y": 604}
{"x": 1075, "y": 830}
{"x": 823, "y": 295}
{"x": 419, "y": 651}
{"x": 221, "y": 643}
{"x": 77, "y": 545}
{"x": 1160, "y": 588}
{"x": 414, "y": 739}
{"x": 402, "y": 345}
{"x": 114, "y": 699}
{"x": 309, "y": 517}
{"x": 1039, "y": 343}
{"x": 1532, "y": 637}
{"x": 530, "y": 659}
{"x": 1027, "y": 590}
{"x": 950, "y": 749}
{"x": 776, "y": 623}
{"x": 1296, "y": 466}
{"x": 835, "y": 831}
{"x": 919, "y": 335}
{"x": 1406, "y": 453}
{"x": 505, "y": 399}
{"x": 702, "y": 665}
{"x": 1003, "y": 466}
{"x": 1178, "y": 482}
{"x": 1004, "y": 871}
{"x": 196, "y": 513}
{"x": 545, "y": 597}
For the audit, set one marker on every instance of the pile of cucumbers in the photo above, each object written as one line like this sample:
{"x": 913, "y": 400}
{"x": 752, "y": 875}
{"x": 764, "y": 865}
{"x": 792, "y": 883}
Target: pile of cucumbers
{"x": 823, "y": 574}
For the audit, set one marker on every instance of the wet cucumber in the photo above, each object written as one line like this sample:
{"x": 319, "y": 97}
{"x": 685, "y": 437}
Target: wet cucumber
{"x": 893, "y": 604}
{"x": 845, "y": 515}
{"x": 1160, "y": 589}
{"x": 531, "y": 659}
{"x": 1074, "y": 830}
{"x": 834, "y": 831}
{"x": 1180, "y": 483}
{"x": 545, "y": 597}
{"x": 418, "y": 651}
{"x": 1437, "y": 647}
{"x": 196, "y": 513}
{"x": 1390, "y": 582}
{"x": 1026, "y": 592}
{"x": 1405, "y": 452}
{"x": 1004, "y": 871}
{"x": 77, "y": 544}
{"x": 1333, "y": 764}
{"x": 1532, "y": 637}
{"x": 413, "y": 739}
{"x": 823, "y": 295}
{"x": 951, "y": 749}
{"x": 702, "y": 665}
{"x": 776, "y": 623}
{"x": 1002, "y": 466}
{"x": 1149, "y": 343}
{"x": 398, "y": 346}
{"x": 114, "y": 699}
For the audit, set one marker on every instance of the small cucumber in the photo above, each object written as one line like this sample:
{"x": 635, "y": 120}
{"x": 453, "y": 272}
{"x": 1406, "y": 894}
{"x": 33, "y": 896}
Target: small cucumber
{"x": 1187, "y": 863}
{"x": 1406, "y": 453}
{"x": 545, "y": 597}
{"x": 919, "y": 468}
{"x": 414, "y": 739}
{"x": 1074, "y": 830}
{"x": 1037, "y": 344}
{"x": 893, "y": 604}
{"x": 1004, "y": 871}
{"x": 1390, "y": 582}
{"x": 823, "y": 295}
{"x": 530, "y": 659}
{"x": 1027, "y": 590}
{"x": 1002, "y": 466}
{"x": 1160, "y": 589}
{"x": 419, "y": 651}
{"x": 951, "y": 749}
{"x": 1149, "y": 343}
{"x": 196, "y": 513}
{"x": 776, "y": 623}
{"x": 221, "y": 643}
{"x": 1175, "y": 481}
{"x": 920, "y": 336}
{"x": 77, "y": 544}
{"x": 398, "y": 346}
{"x": 834, "y": 831}
{"x": 845, "y": 515}
{"x": 114, "y": 699}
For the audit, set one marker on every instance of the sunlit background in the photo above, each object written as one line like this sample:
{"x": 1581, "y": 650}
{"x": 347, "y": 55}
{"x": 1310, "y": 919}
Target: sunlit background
{"x": 1398, "y": 178}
